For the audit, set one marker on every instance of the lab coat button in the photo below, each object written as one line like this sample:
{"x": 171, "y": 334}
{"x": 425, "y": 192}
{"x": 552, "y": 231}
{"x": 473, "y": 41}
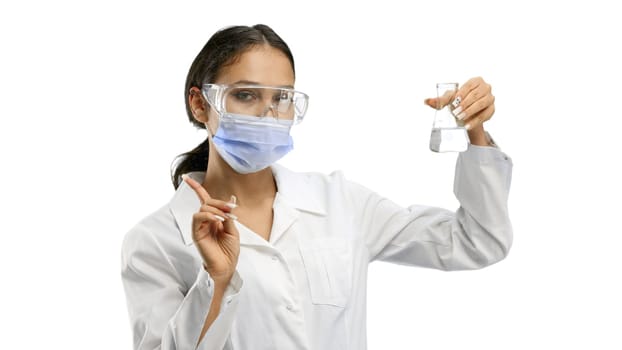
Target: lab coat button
{"x": 275, "y": 258}
{"x": 290, "y": 307}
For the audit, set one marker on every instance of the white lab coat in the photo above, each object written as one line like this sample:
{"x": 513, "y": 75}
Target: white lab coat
{"x": 306, "y": 287}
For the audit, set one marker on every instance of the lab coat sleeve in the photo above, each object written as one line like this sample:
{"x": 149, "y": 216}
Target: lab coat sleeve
{"x": 164, "y": 312}
{"x": 478, "y": 234}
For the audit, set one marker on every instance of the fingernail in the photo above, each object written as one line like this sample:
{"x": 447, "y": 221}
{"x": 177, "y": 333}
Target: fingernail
{"x": 456, "y": 102}
{"x": 461, "y": 116}
{"x": 184, "y": 177}
{"x": 219, "y": 218}
{"x": 467, "y": 126}
{"x": 457, "y": 110}
{"x": 232, "y": 202}
{"x": 231, "y": 216}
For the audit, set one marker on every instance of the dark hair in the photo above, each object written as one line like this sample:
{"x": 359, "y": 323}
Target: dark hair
{"x": 222, "y": 49}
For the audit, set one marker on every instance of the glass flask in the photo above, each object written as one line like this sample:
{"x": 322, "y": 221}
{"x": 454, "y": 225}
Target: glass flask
{"x": 448, "y": 133}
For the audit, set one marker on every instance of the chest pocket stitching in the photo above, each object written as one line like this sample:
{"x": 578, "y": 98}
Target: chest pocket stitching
{"x": 327, "y": 263}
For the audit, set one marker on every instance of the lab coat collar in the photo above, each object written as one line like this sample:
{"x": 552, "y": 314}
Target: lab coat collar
{"x": 294, "y": 190}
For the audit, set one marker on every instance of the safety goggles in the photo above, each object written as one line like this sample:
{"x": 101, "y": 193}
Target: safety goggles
{"x": 257, "y": 100}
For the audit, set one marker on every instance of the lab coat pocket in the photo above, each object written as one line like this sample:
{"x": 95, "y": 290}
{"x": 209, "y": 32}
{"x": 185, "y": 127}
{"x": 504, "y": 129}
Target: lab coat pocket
{"x": 328, "y": 264}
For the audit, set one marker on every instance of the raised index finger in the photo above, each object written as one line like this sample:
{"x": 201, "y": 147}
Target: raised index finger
{"x": 198, "y": 189}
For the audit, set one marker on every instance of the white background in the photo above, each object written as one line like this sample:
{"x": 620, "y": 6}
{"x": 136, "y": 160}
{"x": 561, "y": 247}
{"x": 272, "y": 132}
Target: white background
{"x": 91, "y": 105}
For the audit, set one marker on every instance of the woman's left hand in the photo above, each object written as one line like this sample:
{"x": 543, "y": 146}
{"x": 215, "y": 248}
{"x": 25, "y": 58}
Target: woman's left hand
{"x": 474, "y": 104}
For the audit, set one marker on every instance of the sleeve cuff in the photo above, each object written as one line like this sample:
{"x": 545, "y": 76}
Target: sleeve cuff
{"x": 205, "y": 282}
{"x": 485, "y": 154}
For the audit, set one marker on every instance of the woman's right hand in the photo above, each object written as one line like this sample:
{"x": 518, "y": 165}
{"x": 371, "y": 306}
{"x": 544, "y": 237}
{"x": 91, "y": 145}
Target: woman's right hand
{"x": 214, "y": 234}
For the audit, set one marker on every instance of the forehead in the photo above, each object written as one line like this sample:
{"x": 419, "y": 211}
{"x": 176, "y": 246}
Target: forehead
{"x": 263, "y": 65}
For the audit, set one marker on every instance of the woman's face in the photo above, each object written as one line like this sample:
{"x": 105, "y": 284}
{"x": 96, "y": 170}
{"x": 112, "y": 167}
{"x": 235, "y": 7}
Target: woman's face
{"x": 262, "y": 65}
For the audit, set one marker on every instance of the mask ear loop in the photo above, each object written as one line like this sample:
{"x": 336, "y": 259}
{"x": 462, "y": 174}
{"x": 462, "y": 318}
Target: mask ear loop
{"x": 210, "y": 134}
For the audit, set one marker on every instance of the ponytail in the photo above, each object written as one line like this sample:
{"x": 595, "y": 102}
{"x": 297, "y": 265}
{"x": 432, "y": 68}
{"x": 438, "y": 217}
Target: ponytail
{"x": 195, "y": 160}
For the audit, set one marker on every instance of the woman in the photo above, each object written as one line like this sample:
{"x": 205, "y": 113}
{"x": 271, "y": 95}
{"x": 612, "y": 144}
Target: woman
{"x": 250, "y": 255}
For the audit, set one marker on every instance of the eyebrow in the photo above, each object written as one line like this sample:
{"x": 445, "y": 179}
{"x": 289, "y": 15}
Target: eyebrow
{"x": 256, "y": 83}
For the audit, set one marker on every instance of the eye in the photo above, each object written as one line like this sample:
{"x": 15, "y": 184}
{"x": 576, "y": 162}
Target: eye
{"x": 245, "y": 95}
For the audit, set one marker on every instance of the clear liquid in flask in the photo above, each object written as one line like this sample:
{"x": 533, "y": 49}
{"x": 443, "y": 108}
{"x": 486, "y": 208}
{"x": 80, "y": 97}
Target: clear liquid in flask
{"x": 449, "y": 139}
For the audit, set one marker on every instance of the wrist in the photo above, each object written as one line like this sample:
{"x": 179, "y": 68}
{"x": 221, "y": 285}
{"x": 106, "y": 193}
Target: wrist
{"x": 478, "y": 136}
{"x": 221, "y": 281}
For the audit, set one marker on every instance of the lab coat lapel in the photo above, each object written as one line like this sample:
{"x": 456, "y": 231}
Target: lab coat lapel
{"x": 284, "y": 217}
{"x": 249, "y": 238}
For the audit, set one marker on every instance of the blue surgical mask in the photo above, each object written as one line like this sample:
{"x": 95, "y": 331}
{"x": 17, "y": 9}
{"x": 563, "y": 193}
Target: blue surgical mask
{"x": 250, "y": 144}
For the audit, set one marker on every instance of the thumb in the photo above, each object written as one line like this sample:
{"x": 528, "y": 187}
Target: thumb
{"x": 442, "y": 101}
{"x": 431, "y": 102}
